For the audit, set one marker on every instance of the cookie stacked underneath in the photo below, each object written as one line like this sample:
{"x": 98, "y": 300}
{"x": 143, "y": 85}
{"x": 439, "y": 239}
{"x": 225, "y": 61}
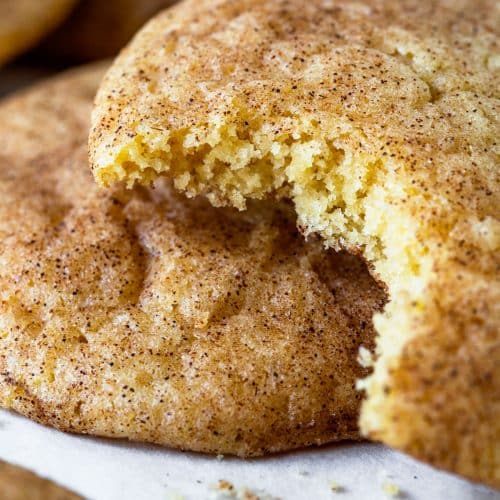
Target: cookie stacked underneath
{"x": 140, "y": 314}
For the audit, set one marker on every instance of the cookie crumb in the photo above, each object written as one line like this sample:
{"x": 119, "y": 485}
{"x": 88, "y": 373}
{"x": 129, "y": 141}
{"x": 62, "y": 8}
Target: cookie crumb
{"x": 365, "y": 357}
{"x": 224, "y": 485}
{"x": 224, "y": 490}
{"x": 391, "y": 490}
{"x": 175, "y": 496}
{"x": 336, "y": 487}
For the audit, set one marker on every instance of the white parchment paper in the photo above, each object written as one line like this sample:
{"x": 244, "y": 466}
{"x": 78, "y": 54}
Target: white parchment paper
{"x": 116, "y": 470}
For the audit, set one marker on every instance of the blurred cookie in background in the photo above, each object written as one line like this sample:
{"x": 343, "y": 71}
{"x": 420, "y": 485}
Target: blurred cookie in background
{"x": 99, "y": 29}
{"x": 20, "y": 484}
{"x": 24, "y": 22}
{"x": 17, "y": 76}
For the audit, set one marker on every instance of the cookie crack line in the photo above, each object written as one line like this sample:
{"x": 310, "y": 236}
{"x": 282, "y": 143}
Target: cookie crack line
{"x": 380, "y": 122}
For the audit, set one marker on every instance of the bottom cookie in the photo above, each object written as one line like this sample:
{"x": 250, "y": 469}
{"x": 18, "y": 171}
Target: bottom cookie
{"x": 140, "y": 314}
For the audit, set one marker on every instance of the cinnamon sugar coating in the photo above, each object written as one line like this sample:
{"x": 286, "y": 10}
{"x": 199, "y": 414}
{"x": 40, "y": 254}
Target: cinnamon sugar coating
{"x": 379, "y": 119}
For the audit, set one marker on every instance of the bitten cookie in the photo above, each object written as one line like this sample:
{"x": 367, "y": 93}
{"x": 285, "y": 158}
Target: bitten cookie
{"x": 380, "y": 121}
